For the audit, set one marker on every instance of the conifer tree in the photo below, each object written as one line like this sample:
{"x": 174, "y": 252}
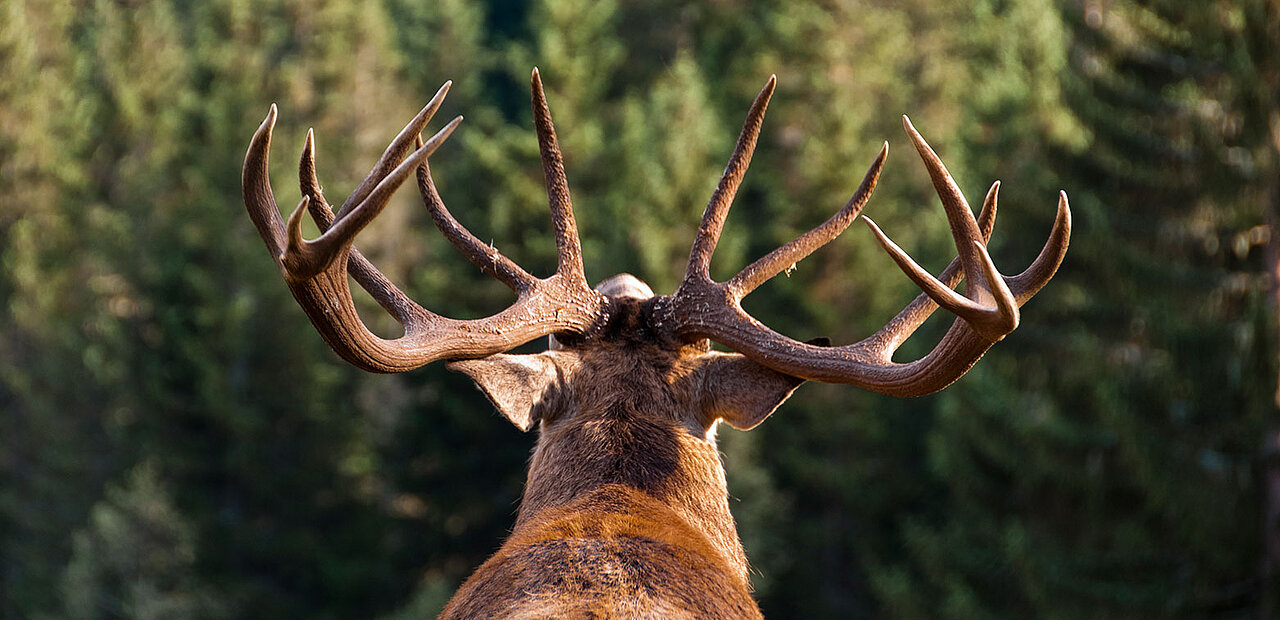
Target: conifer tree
{"x": 163, "y": 397}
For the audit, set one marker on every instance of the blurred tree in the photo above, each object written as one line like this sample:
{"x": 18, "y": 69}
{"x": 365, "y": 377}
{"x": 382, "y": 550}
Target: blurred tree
{"x": 137, "y": 559}
{"x": 174, "y": 434}
{"x": 52, "y": 300}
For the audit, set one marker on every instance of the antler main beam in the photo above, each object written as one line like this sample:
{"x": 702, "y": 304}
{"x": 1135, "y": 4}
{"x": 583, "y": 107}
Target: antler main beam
{"x": 316, "y": 270}
{"x": 988, "y": 310}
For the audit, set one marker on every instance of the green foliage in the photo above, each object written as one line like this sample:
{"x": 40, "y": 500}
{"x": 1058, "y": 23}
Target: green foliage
{"x": 176, "y": 442}
{"x": 136, "y": 558}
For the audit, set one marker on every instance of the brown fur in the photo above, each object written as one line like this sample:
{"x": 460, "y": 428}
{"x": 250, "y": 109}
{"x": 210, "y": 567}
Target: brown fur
{"x": 625, "y": 511}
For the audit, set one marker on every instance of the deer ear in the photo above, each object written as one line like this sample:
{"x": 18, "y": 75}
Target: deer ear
{"x": 740, "y": 391}
{"x": 515, "y": 384}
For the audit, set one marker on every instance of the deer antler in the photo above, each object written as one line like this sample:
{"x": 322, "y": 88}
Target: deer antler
{"x": 988, "y": 310}
{"x": 316, "y": 270}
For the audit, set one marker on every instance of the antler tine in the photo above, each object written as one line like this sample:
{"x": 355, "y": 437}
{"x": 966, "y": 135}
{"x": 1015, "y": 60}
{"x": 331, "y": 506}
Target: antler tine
{"x": 987, "y": 216}
{"x": 935, "y": 289}
{"x": 387, "y": 294}
{"x": 1043, "y": 268}
{"x": 764, "y": 268}
{"x": 987, "y": 305}
{"x": 704, "y": 245}
{"x": 255, "y": 181}
{"x": 568, "y": 247}
{"x": 959, "y": 215}
{"x": 303, "y": 259}
{"x": 892, "y": 334}
{"x": 395, "y": 152}
{"x": 483, "y": 255}
{"x": 309, "y": 184}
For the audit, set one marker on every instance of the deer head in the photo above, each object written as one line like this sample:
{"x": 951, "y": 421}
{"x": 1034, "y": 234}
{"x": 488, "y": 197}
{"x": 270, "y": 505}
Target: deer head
{"x": 625, "y": 508}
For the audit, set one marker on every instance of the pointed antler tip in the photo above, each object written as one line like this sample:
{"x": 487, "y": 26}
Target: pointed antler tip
{"x": 922, "y": 145}
{"x": 435, "y": 141}
{"x": 294, "y": 226}
{"x": 911, "y": 130}
{"x": 993, "y": 194}
{"x": 268, "y": 124}
{"x": 873, "y": 174}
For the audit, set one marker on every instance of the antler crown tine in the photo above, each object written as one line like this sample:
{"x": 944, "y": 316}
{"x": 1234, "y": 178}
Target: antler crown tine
{"x": 303, "y": 259}
{"x": 255, "y": 180}
{"x": 396, "y": 151}
{"x": 786, "y": 256}
{"x": 713, "y": 217}
{"x": 568, "y": 246}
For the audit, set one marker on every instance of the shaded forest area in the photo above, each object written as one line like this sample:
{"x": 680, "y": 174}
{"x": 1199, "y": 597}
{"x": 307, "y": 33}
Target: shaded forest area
{"x": 175, "y": 440}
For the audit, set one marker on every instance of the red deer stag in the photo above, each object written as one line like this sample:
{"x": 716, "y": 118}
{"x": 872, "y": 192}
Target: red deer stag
{"x": 625, "y": 510}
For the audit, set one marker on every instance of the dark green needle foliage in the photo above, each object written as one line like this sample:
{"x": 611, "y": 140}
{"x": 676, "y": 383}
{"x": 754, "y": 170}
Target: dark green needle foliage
{"x": 176, "y": 441}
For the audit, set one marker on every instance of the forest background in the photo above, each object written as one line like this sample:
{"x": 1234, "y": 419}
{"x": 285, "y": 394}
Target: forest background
{"x": 176, "y": 441}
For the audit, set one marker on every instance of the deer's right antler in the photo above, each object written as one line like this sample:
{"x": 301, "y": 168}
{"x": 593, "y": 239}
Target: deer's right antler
{"x": 988, "y": 310}
{"x": 316, "y": 270}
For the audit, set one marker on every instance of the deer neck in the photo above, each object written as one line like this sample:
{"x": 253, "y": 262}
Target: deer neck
{"x": 666, "y": 461}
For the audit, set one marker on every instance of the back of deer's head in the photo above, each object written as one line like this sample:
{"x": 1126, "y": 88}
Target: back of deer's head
{"x": 626, "y": 404}
{"x": 629, "y": 392}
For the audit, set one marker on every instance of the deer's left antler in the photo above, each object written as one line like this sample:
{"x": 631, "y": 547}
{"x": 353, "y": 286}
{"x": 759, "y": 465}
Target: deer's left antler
{"x": 316, "y": 270}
